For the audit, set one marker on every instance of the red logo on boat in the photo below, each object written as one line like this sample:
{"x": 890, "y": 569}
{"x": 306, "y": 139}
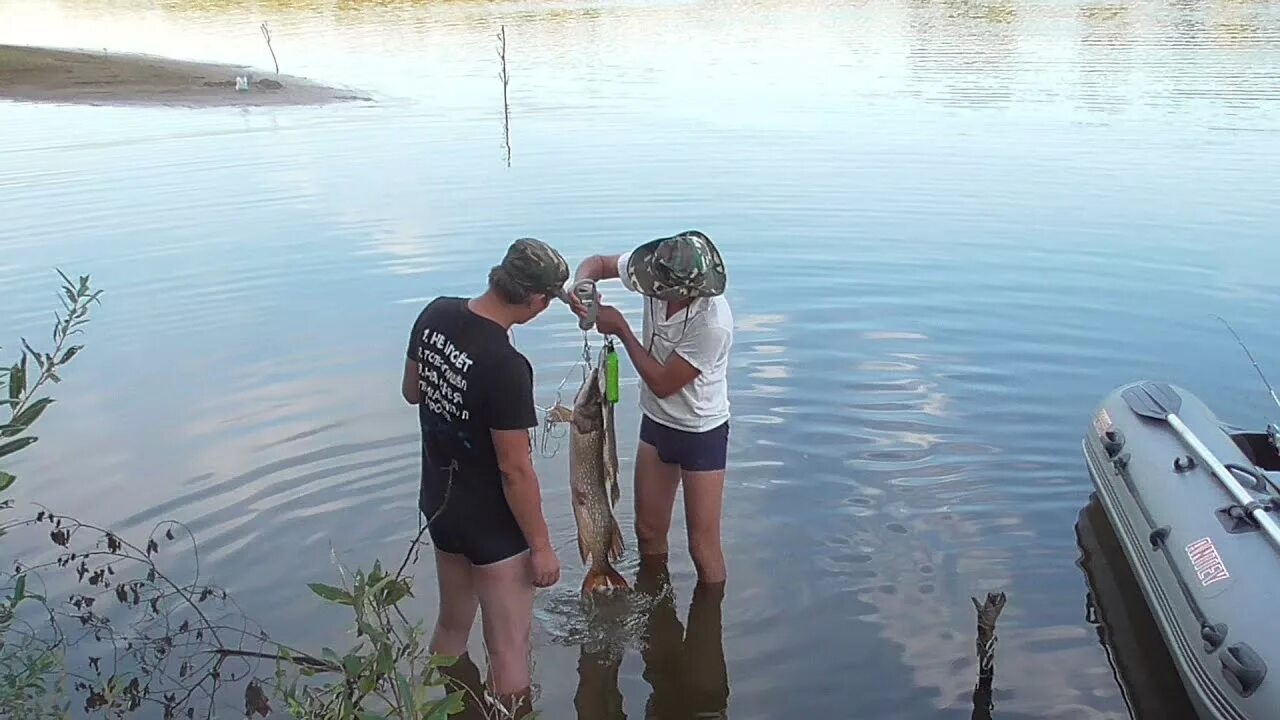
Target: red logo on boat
{"x": 1207, "y": 562}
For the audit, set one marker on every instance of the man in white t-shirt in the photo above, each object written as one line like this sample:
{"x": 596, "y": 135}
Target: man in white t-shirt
{"x": 682, "y": 359}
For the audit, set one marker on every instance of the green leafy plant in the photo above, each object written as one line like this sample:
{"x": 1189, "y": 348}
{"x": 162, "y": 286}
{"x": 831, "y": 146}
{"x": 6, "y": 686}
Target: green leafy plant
{"x": 18, "y": 387}
{"x": 31, "y": 682}
{"x": 386, "y": 673}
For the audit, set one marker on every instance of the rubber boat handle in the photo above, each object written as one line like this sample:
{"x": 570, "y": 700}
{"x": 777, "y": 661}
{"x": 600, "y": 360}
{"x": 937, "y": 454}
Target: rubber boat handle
{"x": 1259, "y": 482}
{"x": 1113, "y": 442}
{"x": 1243, "y": 668}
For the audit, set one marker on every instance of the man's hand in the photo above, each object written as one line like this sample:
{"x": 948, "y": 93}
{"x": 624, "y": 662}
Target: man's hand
{"x": 546, "y": 567}
{"x": 575, "y": 304}
{"x": 579, "y": 309}
{"x": 609, "y": 321}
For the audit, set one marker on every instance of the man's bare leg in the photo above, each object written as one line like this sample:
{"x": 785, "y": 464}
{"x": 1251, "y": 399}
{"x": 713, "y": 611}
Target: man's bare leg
{"x": 458, "y": 602}
{"x": 506, "y": 591}
{"x": 656, "y": 483}
{"x": 703, "y": 503}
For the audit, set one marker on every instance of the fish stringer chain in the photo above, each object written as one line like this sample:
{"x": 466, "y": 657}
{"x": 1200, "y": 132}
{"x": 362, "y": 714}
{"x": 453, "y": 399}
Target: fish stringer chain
{"x": 552, "y": 414}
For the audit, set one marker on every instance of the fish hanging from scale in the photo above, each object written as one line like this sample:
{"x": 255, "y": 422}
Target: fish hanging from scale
{"x": 593, "y": 460}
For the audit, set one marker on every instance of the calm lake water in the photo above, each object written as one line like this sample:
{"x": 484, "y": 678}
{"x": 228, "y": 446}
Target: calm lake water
{"x": 950, "y": 228}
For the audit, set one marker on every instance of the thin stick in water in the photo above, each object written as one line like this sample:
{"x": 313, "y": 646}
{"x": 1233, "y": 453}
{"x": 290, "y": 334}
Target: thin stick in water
{"x": 266, "y": 33}
{"x": 506, "y": 105}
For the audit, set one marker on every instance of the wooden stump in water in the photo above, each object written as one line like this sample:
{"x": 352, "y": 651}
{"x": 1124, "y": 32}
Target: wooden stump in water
{"x": 988, "y": 613}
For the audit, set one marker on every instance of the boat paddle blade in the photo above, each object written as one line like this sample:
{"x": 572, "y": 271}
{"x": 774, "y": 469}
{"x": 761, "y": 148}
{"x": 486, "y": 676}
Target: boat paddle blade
{"x": 1153, "y": 399}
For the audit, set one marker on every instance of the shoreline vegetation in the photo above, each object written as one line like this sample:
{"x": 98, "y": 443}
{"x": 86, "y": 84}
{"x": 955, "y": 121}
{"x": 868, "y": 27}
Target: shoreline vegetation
{"x": 115, "y": 647}
{"x": 82, "y": 77}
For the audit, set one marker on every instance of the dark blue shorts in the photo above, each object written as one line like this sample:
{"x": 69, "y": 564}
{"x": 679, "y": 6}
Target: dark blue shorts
{"x": 692, "y": 451}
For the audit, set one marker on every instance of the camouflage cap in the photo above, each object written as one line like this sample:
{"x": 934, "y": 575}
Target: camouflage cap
{"x": 681, "y": 266}
{"x": 537, "y": 267}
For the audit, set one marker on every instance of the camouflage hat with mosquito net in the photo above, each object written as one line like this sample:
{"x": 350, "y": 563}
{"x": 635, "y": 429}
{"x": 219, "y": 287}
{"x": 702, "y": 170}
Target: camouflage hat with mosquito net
{"x": 681, "y": 266}
{"x": 537, "y": 267}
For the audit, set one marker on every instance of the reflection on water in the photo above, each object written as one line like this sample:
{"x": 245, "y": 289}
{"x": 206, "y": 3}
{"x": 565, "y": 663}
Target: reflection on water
{"x": 684, "y": 664}
{"x": 949, "y": 226}
{"x": 1115, "y": 605}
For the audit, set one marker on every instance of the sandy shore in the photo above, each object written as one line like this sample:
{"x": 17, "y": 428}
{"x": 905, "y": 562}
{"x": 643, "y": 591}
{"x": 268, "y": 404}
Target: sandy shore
{"x": 95, "y": 78}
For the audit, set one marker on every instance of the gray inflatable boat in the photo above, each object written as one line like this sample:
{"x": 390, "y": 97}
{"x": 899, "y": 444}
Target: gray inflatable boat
{"x": 1195, "y": 512}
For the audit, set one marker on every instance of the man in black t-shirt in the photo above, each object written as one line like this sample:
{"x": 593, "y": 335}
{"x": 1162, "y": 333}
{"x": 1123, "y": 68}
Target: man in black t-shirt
{"x": 479, "y": 491}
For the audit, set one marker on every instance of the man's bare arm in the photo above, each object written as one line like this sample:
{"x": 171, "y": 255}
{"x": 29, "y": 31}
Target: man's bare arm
{"x": 409, "y": 387}
{"x": 663, "y": 379}
{"x": 520, "y": 485}
{"x": 598, "y": 267}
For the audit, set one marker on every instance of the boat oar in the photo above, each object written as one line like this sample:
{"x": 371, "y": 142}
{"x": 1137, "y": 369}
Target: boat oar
{"x": 1159, "y": 401}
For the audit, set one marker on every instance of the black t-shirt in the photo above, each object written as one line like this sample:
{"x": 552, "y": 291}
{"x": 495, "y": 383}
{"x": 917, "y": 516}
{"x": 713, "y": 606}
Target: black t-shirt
{"x": 472, "y": 381}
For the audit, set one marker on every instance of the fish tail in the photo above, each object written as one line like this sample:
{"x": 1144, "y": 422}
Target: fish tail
{"x": 601, "y": 577}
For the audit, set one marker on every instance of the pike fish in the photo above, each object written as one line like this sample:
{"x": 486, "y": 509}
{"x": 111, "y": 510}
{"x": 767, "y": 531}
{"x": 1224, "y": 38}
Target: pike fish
{"x": 593, "y": 478}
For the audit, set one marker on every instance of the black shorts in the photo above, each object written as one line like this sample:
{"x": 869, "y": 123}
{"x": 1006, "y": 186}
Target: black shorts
{"x": 484, "y": 532}
{"x": 693, "y": 451}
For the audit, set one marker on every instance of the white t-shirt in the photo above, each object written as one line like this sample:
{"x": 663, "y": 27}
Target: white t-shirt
{"x": 701, "y": 334}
